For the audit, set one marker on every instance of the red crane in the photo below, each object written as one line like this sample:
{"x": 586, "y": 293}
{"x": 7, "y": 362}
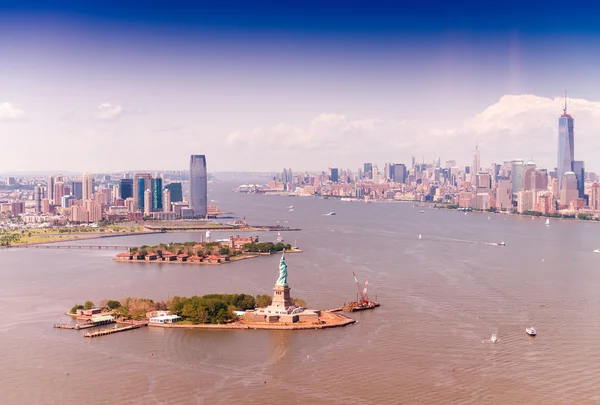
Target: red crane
{"x": 361, "y": 294}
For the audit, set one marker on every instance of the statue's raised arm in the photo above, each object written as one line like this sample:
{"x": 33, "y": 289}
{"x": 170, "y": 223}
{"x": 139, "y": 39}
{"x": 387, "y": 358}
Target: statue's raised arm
{"x": 282, "y": 280}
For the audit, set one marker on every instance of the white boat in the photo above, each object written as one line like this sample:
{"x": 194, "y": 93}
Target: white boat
{"x": 502, "y": 244}
{"x": 489, "y": 218}
{"x": 330, "y": 214}
{"x": 547, "y": 221}
{"x": 420, "y": 237}
{"x": 494, "y": 338}
{"x": 279, "y": 238}
{"x": 291, "y": 207}
{"x": 422, "y": 212}
{"x": 596, "y": 250}
{"x": 530, "y": 331}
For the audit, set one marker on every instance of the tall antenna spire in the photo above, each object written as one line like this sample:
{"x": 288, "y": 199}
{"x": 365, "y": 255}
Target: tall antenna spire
{"x": 565, "y": 109}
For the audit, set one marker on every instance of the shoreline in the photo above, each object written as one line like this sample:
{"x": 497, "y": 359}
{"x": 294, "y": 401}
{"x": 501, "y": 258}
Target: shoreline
{"x": 332, "y": 321}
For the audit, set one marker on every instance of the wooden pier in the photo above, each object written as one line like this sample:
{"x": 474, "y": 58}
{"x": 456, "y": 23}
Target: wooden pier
{"x": 115, "y": 330}
{"x": 73, "y": 326}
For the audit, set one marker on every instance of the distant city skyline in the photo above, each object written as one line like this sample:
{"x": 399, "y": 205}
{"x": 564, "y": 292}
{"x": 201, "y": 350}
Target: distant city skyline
{"x": 260, "y": 87}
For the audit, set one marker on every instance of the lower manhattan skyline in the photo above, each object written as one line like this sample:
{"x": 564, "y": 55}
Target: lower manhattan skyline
{"x": 342, "y": 88}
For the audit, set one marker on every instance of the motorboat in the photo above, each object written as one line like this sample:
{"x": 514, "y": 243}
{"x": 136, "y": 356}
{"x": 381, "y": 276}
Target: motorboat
{"x": 420, "y": 237}
{"x": 596, "y": 250}
{"x": 421, "y": 212}
{"x": 494, "y": 338}
{"x": 502, "y": 244}
{"x": 291, "y": 207}
{"x": 330, "y": 214}
{"x": 547, "y": 221}
{"x": 530, "y": 331}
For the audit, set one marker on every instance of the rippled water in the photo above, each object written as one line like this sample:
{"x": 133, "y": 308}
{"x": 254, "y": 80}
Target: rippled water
{"x": 442, "y": 297}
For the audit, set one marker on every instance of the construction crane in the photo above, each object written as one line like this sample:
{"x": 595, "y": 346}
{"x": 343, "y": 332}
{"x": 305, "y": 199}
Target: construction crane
{"x": 361, "y": 293}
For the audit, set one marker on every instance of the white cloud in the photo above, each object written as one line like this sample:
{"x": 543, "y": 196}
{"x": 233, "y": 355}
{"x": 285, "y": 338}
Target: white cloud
{"x": 516, "y": 126}
{"x": 108, "y": 111}
{"x": 10, "y": 112}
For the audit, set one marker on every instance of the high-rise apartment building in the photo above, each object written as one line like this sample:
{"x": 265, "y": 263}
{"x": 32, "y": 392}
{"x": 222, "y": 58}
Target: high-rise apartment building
{"x": 566, "y": 145}
{"x": 568, "y": 191}
{"x": 147, "y": 202}
{"x": 50, "y": 189}
{"x": 476, "y": 167}
{"x": 141, "y": 183}
{"x": 87, "y": 184}
{"x": 37, "y": 198}
{"x": 126, "y": 188}
{"x": 176, "y": 191}
{"x": 59, "y": 192}
{"x": 198, "y": 185}
{"x": 166, "y": 201}
{"x": 595, "y": 197}
{"x": 157, "y": 192}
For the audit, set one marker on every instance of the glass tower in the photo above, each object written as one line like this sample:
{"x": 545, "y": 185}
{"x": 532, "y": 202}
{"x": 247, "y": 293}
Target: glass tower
{"x": 198, "y": 185}
{"x": 176, "y": 192}
{"x": 126, "y": 188}
{"x": 157, "y": 194}
{"x": 566, "y": 146}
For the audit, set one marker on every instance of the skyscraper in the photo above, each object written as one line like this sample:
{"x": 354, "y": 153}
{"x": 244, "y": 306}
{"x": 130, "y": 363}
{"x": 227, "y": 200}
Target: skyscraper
{"x": 579, "y": 170}
{"x": 50, "y": 189}
{"x": 198, "y": 185}
{"x": 516, "y": 175}
{"x": 333, "y": 174}
{"x": 37, "y": 198}
{"x": 399, "y": 173}
{"x": 157, "y": 198}
{"x": 126, "y": 188}
{"x": 566, "y": 145}
{"x": 166, "y": 201}
{"x": 87, "y": 187}
{"x": 147, "y": 202}
{"x": 368, "y": 170}
{"x": 476, "y": 167}
{"x": 59, "y": 192}
{"x": 568, "y": 191}
{"x": 141, "y": 183}
{"x": 176, "y": 191}
{"x": 77, "y": 189}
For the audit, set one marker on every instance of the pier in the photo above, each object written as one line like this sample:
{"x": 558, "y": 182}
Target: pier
{"x": 115, "y": 330}
{"x": 73, "y": 326}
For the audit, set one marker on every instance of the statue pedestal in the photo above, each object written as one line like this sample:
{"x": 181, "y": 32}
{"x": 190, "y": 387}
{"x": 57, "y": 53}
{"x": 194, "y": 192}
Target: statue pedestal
{"x": 281, "y": 297}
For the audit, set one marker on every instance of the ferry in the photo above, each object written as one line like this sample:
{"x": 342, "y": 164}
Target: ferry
{"x": 530, "y": 331}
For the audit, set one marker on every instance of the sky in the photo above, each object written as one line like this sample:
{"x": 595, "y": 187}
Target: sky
{"x": 262, "y": 85}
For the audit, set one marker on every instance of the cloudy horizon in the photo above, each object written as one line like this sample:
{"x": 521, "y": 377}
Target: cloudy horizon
{"x": 264, "y": 87}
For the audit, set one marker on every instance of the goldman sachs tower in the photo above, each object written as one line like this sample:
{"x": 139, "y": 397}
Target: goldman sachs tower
{"x": 566, "y": 145}
{"x": 198, "y": 186}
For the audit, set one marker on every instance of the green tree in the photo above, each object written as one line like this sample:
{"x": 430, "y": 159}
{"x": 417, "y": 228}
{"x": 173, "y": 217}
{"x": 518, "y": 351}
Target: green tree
{"x": 75, "y": 308}
{"x": 88, "y": 305}
{"x": 298, "y": 302}
{"x": 224, "y": 250}
{"x": 112, "y": 304}
{"x": 263, "y": 300}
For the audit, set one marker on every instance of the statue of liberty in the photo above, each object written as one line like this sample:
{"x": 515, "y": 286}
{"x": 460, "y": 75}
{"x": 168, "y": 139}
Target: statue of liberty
{"x": 282, "y": 280}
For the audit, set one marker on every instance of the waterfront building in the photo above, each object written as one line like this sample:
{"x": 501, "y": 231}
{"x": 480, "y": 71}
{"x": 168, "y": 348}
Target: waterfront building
{"x": 176, "y": 191}
{"x": 554, "y": 188}
{"x": 525, "y": 201}
{"x": 87, "y": 186}
{"x": 595, "y": 197}
{"x": 77, "y": 189}
{"x": 141, "y": 183}
{"x": 566, "y": 146}
{"x": 504, "y": 195}
{"x": 37, "y": 198}
{"x": 147, "y": 202}
{"x": 579, "y": 170}
{"x": 126, "y": 188}
{"x": 79, "y": 214}
{"x": 568, "y": 191}
{"x": 166, "y": 201}
{"x": 545, "y": 202}
{"x": 198, "y": 185}
{"x": 157, "y": 194}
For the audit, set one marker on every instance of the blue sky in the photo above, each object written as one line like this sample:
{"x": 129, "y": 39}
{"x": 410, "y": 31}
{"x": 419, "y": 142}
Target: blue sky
{"x": 259, "y": 85}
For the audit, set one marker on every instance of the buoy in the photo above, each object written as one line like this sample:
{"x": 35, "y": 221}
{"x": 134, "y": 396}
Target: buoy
{"x": 453, "y": 370}
{"x": 67, "y": 373}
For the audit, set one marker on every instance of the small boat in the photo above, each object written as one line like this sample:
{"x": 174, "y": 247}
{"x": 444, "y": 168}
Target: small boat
{"x": 291, "y": 207}
{"x": 421, "y": 212}
{"x": 501, "y": 244}
{"x": 494, "y": 338}
{"x": 279, "y": 238}
{"x": 597, "y": 251}
{"x": 420, "y": 237}
{"x": 489, "y": 218}
{"x": 547, "y": 221}
{"x": 330, "y": 214}
{"x": 530, "y": 331}
{"x": 532, "y": 218}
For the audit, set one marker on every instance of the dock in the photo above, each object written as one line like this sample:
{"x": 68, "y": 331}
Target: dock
{"x": 110, "y": 331}
{"x": 74, "y": 326}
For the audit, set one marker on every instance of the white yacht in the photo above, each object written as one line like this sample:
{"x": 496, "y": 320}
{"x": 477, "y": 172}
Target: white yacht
{"x": 494, "y": 338}
{"x": 530, "y": 331}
